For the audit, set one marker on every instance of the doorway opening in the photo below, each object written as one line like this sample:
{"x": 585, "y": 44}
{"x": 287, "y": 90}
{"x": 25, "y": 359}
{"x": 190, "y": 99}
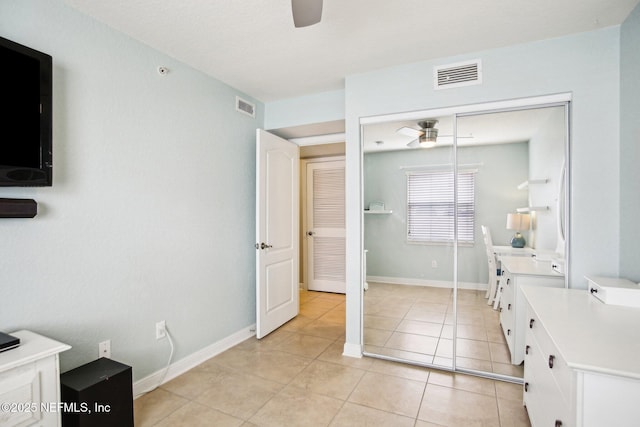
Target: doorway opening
{"x": 279, "y": 235}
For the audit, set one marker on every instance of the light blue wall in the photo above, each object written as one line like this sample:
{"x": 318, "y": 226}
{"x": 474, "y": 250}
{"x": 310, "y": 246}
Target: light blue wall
{"x": 152, "y": 210}
{"x": 585, "y": 65}
{"x": 304, "y": 110}
{"x": 500, "y": 169}
{"x": 630, "y": 147}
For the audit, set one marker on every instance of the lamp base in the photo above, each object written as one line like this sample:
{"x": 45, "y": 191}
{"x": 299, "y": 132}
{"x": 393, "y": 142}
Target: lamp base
{"x": 518, "y": 241}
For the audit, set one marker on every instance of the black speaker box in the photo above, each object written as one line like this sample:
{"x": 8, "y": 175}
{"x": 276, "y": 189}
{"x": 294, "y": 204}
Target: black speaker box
{"x": 98, "y": 394}
{"x": 18, "y": 208}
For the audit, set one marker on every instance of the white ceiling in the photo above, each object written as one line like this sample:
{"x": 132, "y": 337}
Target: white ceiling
{"x": 253, "y": 46}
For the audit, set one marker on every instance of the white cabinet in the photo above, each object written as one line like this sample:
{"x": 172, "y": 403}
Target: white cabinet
{"x": 517, "y": 272}
{"x": 30, "y": 382}
{"x": 581, "y": 363}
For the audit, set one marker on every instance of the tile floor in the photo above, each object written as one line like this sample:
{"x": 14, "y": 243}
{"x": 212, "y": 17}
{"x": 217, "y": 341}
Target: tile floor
{"x": 297, "y": 376}
{"x": 416, "y": 323}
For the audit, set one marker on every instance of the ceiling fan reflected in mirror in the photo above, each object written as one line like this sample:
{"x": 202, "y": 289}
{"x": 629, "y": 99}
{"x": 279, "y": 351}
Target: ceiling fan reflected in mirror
{"x": 426, "y": 136}
{"x": 306, "y": 12}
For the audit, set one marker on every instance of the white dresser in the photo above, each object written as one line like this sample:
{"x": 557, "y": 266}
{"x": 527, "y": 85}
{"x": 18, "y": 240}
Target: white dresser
{"x": 30, "y": 382}
{"x": 516, "y": 272}
{"x": 582, "y": 363}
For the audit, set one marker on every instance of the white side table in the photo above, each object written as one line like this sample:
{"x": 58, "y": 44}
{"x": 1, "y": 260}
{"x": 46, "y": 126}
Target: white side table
{"x": 30, "y": 382}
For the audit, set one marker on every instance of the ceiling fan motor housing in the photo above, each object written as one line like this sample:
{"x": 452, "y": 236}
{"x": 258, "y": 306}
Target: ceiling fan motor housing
{"x": 430, "y": 132}
{"x": 430, "y": 135}
{"x": 427, "y": 124}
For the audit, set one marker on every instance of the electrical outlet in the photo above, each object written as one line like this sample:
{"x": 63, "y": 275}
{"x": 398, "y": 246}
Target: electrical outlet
{"x": 104, "y": 349}
{"x": 434, "y": 264}
{"x": 161, "y": 329}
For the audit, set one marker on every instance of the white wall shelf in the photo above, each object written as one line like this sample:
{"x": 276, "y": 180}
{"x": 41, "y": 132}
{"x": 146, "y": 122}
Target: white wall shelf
{"x": 529, "y": 182}
{"x": 533, "y": 208}
{"x": 385, "y": 212}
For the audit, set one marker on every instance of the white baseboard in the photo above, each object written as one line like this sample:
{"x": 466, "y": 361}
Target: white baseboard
{"x": 181, "y": 366}
{"x": 425, "y": 282}
{"x": 352, "y": 350}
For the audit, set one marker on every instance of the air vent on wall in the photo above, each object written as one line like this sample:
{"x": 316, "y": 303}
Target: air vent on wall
{"x": 456, "y": 75}
{"x": 245, "y": 107}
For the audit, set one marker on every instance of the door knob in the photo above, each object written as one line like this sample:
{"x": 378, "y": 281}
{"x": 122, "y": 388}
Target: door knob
{"x": 310, "y": 233}
{"x": 263, "y": 245}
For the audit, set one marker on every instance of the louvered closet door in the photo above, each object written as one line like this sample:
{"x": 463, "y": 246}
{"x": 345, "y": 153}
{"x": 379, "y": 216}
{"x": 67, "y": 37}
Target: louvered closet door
{"x": 326, "y": 227}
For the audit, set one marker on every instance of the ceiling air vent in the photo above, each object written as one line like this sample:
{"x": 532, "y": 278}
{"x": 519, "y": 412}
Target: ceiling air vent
{"x": 245, "y": 107}
{"x": 456, "y": 75}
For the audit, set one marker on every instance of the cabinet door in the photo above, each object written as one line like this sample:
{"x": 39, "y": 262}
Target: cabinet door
{"x": 20, "y": 385}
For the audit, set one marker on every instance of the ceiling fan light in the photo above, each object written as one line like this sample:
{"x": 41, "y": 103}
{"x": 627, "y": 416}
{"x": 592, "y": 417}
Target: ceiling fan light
{"x": 427, "y": 144}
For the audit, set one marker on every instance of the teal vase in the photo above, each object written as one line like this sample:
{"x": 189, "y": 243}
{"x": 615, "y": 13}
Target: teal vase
{"x": 518, "y": 241}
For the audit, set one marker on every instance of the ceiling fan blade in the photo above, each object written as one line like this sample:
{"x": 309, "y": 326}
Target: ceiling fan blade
{"x": 306, "y": 12}
{"x": 413, "y": 144}
{"x": 407, "y": 131}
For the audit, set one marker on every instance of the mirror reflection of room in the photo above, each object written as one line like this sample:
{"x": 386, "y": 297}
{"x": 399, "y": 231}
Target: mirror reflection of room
{"x": 510, "y": 206}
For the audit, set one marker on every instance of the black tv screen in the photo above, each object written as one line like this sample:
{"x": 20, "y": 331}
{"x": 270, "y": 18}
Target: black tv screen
{"x": 25, "y": 116}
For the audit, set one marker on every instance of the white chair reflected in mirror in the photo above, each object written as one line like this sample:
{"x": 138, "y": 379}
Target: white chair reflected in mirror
{"x": 492, "y": 286}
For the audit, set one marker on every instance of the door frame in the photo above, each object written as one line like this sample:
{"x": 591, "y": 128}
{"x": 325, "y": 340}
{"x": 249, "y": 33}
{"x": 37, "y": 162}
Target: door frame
{"x": 357, "y": 318}
{"x": 304, "y": 242}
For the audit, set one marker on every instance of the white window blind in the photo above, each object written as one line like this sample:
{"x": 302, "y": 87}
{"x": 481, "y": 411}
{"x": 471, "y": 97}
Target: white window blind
{"x": 430, "y": 206}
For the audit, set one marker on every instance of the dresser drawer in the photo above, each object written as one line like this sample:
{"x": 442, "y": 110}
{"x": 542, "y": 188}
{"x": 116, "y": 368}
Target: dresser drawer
{"x": 545, "y": 402}
{"x": 615, "y": 291}
{"x": 507, "y": 317}
{"x": 549, "y": 355}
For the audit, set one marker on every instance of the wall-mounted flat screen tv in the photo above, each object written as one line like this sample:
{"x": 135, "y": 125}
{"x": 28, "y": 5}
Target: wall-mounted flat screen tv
{"x": 25, "y": 116}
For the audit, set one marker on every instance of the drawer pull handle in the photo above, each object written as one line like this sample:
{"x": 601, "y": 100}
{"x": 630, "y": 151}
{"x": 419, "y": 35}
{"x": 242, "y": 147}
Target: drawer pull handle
{"x": 509, "y": 307}
{"x": 593, "y": 290}
{"x": 526, "y": 387}
{"x": 531, "y": 323}
{"x": 526, "y": 349}
{"x": 508, "y": 280}
{"x": 500, "y": 309}
{"x": 508, "y": 331}
{"x": 551, "y": 358}
{"x": 558, "y": 423}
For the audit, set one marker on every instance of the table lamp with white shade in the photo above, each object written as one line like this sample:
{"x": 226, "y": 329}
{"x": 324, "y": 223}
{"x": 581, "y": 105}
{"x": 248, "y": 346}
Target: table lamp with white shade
{"x": 518, "y": 222}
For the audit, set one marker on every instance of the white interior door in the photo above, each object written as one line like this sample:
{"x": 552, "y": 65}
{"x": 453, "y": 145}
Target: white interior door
{"x": 326, "y": 227}
{"x": 277, "y": 231}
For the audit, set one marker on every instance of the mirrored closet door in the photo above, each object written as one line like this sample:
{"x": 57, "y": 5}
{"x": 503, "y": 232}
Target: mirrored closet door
{"x": 460, "y": 210}
{"x": 409, "y": 309}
